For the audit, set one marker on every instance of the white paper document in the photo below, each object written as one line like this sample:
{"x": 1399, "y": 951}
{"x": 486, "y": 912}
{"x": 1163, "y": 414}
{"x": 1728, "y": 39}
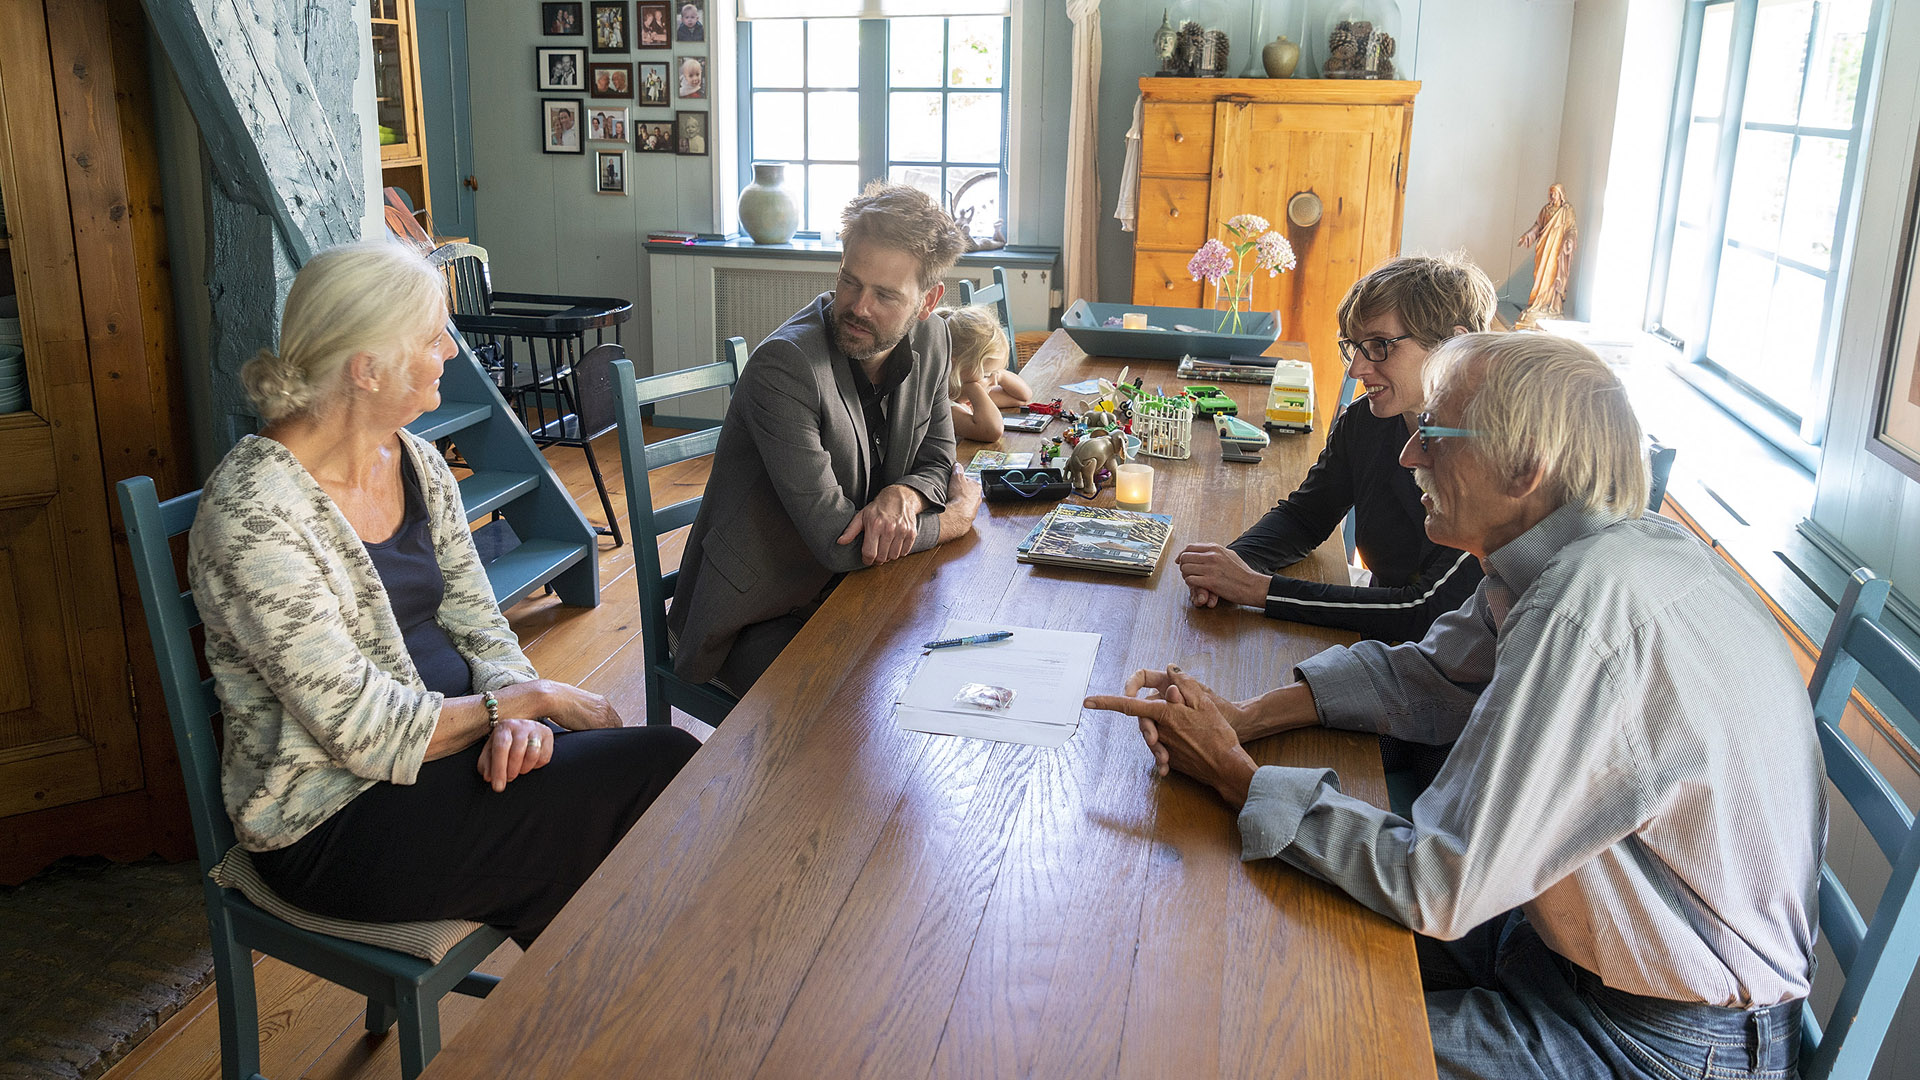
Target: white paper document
{"x": 1048, "y": 671}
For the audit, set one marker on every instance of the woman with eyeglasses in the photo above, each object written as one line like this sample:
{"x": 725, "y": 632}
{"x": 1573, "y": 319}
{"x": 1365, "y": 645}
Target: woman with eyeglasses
{"x": 1390, "y": 320}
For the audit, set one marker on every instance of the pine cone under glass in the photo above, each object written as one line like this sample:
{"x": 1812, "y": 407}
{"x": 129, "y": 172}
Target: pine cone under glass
{"x": 1342, "y": 35}
{"x": 1216, "y": 51}
{"x": 1187, "y": 48}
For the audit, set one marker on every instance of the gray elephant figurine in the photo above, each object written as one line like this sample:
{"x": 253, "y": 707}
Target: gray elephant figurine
{"x": 1091, "y": 457}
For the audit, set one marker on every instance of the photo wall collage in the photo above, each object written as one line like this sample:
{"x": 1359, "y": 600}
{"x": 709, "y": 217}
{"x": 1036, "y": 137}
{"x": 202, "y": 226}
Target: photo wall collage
{"x": 639, "y": 74}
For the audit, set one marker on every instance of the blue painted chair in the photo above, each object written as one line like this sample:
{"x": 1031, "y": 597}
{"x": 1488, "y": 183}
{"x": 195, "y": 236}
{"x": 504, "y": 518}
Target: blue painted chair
{"x": 1877, "y": 957}
{"x": 1659, "y": 469}
{"x": 397, "y": 986}
{"x": 995, "y": 294}
{"x": 665, "y": 689}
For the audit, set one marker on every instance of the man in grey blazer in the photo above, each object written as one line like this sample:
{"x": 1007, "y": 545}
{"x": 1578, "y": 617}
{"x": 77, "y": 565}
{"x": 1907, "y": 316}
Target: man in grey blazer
{"x": 837, "y": 451}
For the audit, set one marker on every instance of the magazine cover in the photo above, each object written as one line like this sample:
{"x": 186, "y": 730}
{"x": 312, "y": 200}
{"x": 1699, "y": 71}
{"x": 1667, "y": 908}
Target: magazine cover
{"x": 1099, "y": 538}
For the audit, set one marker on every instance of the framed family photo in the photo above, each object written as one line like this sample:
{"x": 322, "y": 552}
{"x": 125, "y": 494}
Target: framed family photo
{"x": 693, "y": 78}
{"x": 610, "y": 28}
{"x": 693, "y": 133}
{"x": 655, "y": 137}
{"x": 560, "y": 69}
{"x": 655, "y": 24}
{"x": 610, "y": 80}
{"x": 691, "y": 22}
{"x": 610, "y": 172}
{"x": 653, "y": 84}
{"x": 607, "y": 125}
{"x": 563, "y": 20}
{"x": 560, "y": 126}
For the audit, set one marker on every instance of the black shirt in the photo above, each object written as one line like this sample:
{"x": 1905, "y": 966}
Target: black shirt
{"x": 875, "y": 398}
{"x": 1415, "y": 580}
{"x": 415, "y": 586}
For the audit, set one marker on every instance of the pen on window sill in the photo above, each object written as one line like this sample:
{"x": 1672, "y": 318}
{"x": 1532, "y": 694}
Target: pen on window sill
{"x": 973, "y": 639}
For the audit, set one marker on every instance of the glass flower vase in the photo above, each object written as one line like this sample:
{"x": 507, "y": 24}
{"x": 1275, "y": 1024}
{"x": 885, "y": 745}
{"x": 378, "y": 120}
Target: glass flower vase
{"x": 1232, "y": 298}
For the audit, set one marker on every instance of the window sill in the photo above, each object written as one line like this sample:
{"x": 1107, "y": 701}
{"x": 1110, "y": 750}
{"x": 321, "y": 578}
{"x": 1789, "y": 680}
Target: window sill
{"x": 1034, "y": 258}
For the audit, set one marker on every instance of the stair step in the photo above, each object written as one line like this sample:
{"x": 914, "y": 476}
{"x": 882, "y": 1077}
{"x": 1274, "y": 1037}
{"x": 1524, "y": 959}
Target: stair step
{"x": 450, "y": 417}
{"x": 523, "y": 569}
{"x": 487, "y": 491}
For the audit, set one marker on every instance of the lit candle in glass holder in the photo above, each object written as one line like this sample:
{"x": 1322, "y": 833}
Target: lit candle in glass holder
{"x": 1133, "y": 320}
{"x": 1133, "y": 486}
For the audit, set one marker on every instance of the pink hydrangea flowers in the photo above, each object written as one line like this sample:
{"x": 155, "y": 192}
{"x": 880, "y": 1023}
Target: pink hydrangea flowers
{"x": 1219, "y": 261}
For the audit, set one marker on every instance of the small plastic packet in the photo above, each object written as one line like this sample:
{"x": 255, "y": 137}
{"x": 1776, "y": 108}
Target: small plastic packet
{"x": 984, "y": 696}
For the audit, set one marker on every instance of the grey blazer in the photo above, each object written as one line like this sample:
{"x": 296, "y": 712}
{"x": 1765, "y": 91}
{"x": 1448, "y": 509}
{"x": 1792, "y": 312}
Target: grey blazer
{"x": 790, "y": 472}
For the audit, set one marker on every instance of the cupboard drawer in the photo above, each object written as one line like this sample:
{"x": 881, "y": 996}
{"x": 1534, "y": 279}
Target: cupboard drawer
{"x": 1173, "y": 213}
{"x": 1177, "y": 139}
{"x": 1160, "y": 279}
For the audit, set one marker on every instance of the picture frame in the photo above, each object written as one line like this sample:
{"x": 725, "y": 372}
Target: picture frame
{"x": 611, "y": 33}
{"x": 1895, "y": 438}
{"x": 563, "y": 20}
{"x": 653, "y": 22}
{"x": 610, "y": 80}
{"x": 690, "y": 77}
{"x": 650, "y": 85}
{"x": 689, "y": 20}
{"x": 559, "y": 69}
{"x": 560, "y": 126}
{"x": 655, "y": 137}
{"x": 607, "y": 125}
{"x": 610, "y": 172}
{"x": 690, "y": 128}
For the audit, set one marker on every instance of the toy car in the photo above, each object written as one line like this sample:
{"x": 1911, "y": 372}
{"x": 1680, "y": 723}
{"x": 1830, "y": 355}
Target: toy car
{"x": 1210, "y": 401}
{"x": 1290, "y": 397}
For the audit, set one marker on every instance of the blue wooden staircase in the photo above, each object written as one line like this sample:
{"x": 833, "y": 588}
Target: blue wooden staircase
{"x": 510, "y": 475}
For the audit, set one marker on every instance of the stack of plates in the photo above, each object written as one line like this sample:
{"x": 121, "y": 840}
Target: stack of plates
{"x": 13, "y": 360}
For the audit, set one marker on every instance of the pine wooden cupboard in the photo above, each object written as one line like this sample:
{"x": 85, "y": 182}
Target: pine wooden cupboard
{"x": 1333, "y": 149}
{"x": 396, "y": 89}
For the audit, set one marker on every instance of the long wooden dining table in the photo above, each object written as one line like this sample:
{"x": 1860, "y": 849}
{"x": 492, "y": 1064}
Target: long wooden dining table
{"x": 822, "y": 893}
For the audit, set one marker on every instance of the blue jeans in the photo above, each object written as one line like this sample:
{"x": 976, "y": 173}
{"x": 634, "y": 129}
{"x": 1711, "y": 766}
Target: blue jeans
{"x": 1501, "y": 1005}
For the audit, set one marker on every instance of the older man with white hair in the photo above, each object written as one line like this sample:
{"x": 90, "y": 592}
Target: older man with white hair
{"x": 1615, "y": 873}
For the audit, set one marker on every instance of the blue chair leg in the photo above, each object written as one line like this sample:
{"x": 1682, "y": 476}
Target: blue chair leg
{"x": 419, "y": 1031}
{"x": 238, "y": 1007}
{"x": 380, "y": 1016}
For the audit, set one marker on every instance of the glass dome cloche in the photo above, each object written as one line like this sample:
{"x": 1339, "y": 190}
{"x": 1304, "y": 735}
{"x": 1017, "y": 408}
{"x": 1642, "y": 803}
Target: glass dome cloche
{"x": 1361, "y": 41}
{"x": 1191, "y": 40}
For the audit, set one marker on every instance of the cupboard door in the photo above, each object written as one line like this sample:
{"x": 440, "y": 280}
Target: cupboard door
{"x": 1160, "y": 279}
{"x": 1348, "y": 156}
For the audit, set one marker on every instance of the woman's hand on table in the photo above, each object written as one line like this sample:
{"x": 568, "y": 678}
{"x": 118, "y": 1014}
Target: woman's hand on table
{"x": 1214, "y": 573}
{"x": 515, "y": 748}
{"x": 1189, "y": 727}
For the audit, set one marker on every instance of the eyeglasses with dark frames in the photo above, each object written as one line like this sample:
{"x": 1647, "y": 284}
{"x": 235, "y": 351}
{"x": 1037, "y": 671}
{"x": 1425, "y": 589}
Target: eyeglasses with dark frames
{"x": 1375, "y": 349}
{"x": 1429, "y": 432}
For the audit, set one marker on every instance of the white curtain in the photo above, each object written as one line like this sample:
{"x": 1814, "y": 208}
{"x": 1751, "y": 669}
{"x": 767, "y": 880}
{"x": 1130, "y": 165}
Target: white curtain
{"x": 1083, "y": 155}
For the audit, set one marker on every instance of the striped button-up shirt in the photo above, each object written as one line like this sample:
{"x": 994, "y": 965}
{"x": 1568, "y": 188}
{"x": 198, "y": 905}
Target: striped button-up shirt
{"x": 1636, "y": 768}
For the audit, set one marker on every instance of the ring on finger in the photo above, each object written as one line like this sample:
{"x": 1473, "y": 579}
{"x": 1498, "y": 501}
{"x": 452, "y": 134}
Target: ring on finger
{"x": 533, "y": 743}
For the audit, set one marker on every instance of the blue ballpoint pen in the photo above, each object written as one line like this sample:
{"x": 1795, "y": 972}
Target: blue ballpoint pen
{"x": 974, "y": 639}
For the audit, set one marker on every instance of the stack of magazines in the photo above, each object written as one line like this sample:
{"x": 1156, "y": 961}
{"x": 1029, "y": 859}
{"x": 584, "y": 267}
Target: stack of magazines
{"x": 1098, "y": 538}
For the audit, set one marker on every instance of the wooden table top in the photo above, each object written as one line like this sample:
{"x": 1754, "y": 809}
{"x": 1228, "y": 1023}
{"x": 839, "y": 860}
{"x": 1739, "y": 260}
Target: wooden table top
{"x": 823, "y": 894}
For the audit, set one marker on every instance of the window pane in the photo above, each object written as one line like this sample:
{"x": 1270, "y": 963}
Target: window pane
{"x": 1813, "y": 201}
{"x": 833, "y": 126}
{"x": 829, "y": 188}
{"x": 973, "y": 127}
{"x": 1684, "y": 312}
{"x": 777, "y": 49}
{"x": 924, "y": 177}
{"x": 1740, "y": 301}
{"x": 1697, "y": 179}
{"x": 1716, "y": 43}
{"x": 1779, "y": 56}
{"x": 1759, "y": 187}
{"x": 913, "y": 127}
{"x": 1834, "y": 78}
{"x": 973, "y": 57}
{"x": 974, "y": 197}
{"x": 913, "y": 51}
{"x": 833, "y": 51}
{"x": 1784, "y": 367}
{"x": 779, "y": 125}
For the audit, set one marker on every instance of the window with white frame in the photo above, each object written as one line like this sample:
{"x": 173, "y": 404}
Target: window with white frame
{"x": 917, "y": 98}
{"x": 1762, "y": 163}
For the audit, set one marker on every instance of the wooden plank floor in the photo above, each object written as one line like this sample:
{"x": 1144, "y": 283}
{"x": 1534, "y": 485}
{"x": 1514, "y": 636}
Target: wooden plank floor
{"x": 312, "y": 1028}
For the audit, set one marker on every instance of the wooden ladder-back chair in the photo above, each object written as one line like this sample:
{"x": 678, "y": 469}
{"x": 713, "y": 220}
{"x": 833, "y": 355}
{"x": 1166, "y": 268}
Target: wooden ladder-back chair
{"x": 1876, "y": 957}
{"x": 397, "y": 986}
{"x": 665, "y": 689}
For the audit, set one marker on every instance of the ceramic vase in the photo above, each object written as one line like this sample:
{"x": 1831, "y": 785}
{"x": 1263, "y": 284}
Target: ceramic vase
{"x": 768, "y": 211}
{"x": 1280, "y": 57}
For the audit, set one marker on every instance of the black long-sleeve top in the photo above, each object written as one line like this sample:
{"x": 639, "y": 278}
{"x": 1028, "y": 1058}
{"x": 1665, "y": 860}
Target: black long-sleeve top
{"x": 1415, "y": 580}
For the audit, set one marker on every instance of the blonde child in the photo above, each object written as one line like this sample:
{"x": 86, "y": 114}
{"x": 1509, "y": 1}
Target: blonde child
{"x": 980, "y": 384}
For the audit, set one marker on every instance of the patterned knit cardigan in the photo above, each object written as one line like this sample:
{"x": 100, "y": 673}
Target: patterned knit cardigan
{"x": 320, "y": 697}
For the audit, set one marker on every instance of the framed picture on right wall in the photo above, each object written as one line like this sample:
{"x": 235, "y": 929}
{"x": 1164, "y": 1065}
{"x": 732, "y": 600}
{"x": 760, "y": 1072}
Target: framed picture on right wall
{"x": 560, "y": 124}
{"x": 693, "y": 132}
{"x": 1896, "y": 429}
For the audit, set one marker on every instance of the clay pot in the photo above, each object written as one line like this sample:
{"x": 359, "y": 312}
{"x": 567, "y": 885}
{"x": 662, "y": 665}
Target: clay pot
{"x": 1280, "y": 57}
{"x": 768, "y": 210}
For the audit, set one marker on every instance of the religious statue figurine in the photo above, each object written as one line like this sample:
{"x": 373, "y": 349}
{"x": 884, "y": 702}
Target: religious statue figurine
{"x": 1552, "y": 239}
{"x": 1163, "y": 42}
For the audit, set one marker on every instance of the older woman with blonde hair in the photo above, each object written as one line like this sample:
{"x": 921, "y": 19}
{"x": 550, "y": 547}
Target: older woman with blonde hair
{"x": 390, "y": 753}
